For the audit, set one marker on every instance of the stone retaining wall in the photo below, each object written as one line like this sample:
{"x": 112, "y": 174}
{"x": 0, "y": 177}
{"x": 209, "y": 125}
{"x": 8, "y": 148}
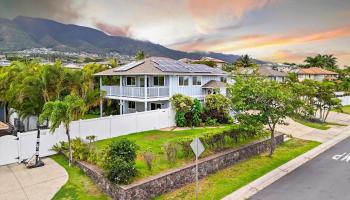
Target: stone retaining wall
{"x": 165, "y": 182}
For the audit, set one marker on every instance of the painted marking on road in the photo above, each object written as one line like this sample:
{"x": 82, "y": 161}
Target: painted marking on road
{"x": 342, "y": 157}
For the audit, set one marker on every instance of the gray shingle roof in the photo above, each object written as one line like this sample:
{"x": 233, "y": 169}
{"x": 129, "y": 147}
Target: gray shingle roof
{"x": 214, "y": 84}
{"x": 160, "y": 65}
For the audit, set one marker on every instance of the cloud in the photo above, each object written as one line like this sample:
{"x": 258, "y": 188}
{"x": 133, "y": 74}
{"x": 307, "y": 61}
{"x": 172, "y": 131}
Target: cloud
{"x": 114, "y": 30}
{"x": 62, "y": 10}
{"x": 213, "y": 13}
{"x": 230, "y": 44}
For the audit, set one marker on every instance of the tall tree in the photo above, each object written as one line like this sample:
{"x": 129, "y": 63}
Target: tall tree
{"x": 63, "y": 112}
{"x": 244, "y": 62}
{"x": 140, "y": 55}
{"x": 323, "y": 61}
{"x": 262, "y": 100}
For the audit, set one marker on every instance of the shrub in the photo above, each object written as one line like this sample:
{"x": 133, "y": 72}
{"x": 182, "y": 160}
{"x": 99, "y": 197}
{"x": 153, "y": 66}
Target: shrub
{"x": 124, "y": 149}
{"x": 196, "y": 113}
{"x": 188, "y": 118}
{"x": 170, "y": 151}
{"x": 148, "y": 157}
{"x": 181, "y": 103}
{"x": 180, "y": 119}
{"x": 120, "y": 171}
{"x": 210, "y": 122}
{"x": 217, "y": 102}
{"x": 120, "y": 161}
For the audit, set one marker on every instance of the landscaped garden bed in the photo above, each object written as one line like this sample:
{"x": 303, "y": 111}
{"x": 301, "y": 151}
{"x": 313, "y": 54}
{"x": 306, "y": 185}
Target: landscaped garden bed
{"x": 164, "y": 159}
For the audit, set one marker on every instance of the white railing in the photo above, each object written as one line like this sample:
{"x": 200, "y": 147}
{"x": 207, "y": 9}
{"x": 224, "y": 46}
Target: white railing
{"x": 138, "y": 92}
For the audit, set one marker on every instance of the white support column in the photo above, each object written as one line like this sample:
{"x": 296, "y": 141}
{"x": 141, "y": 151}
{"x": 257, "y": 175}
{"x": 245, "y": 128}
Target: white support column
{"x": 101, "y": 98}
{"x": 121, "y": 107}
{"x": 145, "y": 87}
{"x": 120, "y": 85}
{"x": 170, "y": 85}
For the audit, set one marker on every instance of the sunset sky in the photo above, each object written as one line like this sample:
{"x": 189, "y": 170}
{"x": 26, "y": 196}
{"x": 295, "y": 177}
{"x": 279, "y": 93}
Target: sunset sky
{"x": 274, "y": 30}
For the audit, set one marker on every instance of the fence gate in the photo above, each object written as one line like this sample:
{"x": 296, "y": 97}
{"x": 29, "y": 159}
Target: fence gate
{"x": 9, "y": 149}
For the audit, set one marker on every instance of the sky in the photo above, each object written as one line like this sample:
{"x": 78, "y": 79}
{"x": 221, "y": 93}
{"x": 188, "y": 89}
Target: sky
{"x": 272, "y": 30}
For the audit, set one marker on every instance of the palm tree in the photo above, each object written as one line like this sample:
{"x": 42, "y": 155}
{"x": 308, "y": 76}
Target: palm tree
{"x": 323, "y": 61}
{"x": 63, "y": 112}
{"x": 244, "y": 61}
{"x": 140, "y": 55}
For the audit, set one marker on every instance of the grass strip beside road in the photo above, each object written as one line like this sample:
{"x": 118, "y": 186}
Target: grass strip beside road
{"x": 320, "y": 126}
{"x": 79, "y": 186}
{"x": 226, "y": 181}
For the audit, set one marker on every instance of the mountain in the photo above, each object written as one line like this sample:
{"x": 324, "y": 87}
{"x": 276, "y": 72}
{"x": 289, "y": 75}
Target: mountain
{"x": 26, "y": 32}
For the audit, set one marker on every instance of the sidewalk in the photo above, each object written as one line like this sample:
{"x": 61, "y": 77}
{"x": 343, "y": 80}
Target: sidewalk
{"x": 17, "y": 182}
{"x": 335, "y": 135}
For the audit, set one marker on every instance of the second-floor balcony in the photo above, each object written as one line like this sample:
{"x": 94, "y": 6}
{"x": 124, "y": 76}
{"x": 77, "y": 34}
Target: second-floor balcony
{"x": 136, "y": 92}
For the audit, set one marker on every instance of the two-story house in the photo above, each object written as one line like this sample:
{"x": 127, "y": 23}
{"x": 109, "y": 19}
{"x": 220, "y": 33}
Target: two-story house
{"x": 316, "y": 73}
{"x": 149, "y": 84}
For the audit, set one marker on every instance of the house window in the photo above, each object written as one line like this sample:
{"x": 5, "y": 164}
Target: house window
{"x": 131, "y": 81}
{"x": 183, "y": 80}
{"x": 131, "y": 105}
{"x": 196, "y": 80}
{"x": 156, "y": 106}
{"x": 158, "y": 80}
{"x": 223, "y": 79}
{"x": 142, "y": 82}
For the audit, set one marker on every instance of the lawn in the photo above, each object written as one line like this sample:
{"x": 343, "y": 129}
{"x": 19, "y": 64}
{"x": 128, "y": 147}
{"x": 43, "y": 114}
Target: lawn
{"x": 346, "y": 110}
{"x": 90, "y": 116}
{"x": 154, "y": 141}
{"x": 79, "y": 185}
{"x": 222, "y": 183}
{"x": 316, "y": 125}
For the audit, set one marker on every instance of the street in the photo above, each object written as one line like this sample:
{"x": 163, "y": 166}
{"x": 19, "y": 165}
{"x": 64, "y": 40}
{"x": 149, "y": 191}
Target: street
{"x": 325, "y": 177}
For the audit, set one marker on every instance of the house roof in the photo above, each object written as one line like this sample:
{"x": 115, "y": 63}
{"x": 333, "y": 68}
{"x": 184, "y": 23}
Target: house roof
{"x": 214, "y": 84}
{"x": 161, "y": 66}
{"x": 267, "y": 71}
{"x": 212, "y": 59}
{"x": 316, "y": 71}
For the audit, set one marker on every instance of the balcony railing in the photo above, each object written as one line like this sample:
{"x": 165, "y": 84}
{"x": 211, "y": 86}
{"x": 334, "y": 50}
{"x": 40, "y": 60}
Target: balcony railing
{"x": 138, "y": 92}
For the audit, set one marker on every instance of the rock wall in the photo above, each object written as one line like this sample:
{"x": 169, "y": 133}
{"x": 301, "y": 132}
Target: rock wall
{"x": 167, "y": 181}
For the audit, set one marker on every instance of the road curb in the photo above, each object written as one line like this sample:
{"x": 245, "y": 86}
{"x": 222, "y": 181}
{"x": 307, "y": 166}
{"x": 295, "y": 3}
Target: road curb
{"x": 259, "y": 184}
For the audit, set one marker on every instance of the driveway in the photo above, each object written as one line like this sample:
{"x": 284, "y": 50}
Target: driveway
{"x": 17, "y": 182}
{"x": 325, "y": 177}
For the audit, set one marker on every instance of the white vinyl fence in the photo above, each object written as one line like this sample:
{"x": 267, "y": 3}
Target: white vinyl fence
{"x": 15, "y": 149}
{"x": 345, "y": 100}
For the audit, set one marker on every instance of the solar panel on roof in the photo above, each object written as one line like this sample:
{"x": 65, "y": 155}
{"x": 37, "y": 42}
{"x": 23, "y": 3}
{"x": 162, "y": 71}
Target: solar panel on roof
{"x": 177, "y": 66}
{"x": 128, "y": 66}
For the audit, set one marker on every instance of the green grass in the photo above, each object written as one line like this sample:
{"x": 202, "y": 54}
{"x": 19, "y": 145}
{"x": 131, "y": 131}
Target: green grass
{"x": 222, "y": 183}
{"x": 79, "y": 185}
{"x": 90, "y": 116}
{"x": 321, "y": 126}
{"x": 346, "y": 110}
{"x": 154, "y": 141}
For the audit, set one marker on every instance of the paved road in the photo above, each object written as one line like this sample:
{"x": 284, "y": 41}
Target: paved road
{"x": 326, "y": 177}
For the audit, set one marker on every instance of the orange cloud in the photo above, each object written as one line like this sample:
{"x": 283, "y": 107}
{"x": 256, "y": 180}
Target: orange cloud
{"x": 343, "y": 57}
{"x": 257, "y": 41}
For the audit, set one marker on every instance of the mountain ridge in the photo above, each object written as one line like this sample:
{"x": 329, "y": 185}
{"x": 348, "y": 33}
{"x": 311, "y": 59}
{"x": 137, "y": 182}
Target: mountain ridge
{"x": 26, "y": 32}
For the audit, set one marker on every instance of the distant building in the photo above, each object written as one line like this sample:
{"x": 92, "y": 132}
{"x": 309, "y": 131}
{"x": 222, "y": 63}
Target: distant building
{"x": 219, "y": 63}
{"x": 5, "y": 63}
{"x": 316, "y": 73}
{"x": 73, "y": 66}
{"x": 266, "y": 72}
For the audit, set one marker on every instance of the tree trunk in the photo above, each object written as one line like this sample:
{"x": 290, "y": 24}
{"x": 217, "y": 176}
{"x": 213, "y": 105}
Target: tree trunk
{"x": 272, "y": 142}
{"x": 70, "y": 147}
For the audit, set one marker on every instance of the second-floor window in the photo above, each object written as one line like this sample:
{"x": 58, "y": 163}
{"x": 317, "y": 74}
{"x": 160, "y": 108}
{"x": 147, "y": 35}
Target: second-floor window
{"x": 158, "y": 80}
{"x": 131, "y": 81}
{"x": 183, "y": 80}
{"x": 196, "y": 80}
{"x": 223, "y": 79}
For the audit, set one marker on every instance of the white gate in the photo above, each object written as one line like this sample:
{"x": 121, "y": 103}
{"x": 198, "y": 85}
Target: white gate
{"x": 9, "y": 149}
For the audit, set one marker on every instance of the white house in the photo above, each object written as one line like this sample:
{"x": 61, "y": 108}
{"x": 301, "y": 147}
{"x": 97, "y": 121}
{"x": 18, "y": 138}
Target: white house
{"x": 316, "y": 73}
{"x": 149, "y": 84}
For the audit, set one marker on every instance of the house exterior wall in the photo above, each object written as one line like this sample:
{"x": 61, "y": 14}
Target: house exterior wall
{"x": 317, "y": 77}
{"x": 190, "y": 90}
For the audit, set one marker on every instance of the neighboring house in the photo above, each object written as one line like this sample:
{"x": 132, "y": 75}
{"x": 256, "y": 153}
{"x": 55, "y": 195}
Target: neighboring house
{"x": 272, "y": 74}
{"x": 265, "y": 71}
{"x": 316, "y": 73}
{"x": 148, "y": 84}
{"x": 219, "y": 63}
